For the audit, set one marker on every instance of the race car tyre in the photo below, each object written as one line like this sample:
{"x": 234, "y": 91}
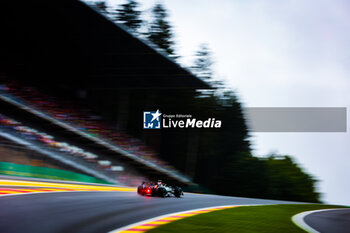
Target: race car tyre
{"x": 161, "y": 192}
{"x": 178, "y": 192}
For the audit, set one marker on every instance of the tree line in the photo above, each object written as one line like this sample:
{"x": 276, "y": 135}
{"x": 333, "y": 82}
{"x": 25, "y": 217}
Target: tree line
{"x": 219, "y": 160}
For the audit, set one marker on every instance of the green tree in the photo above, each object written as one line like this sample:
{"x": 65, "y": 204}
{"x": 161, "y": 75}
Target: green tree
{"x": 160, "y": 31}
{"x": 128, "y": 15}
{"x": 203, "y": 63}
{"x": 101, "y": 6}
{"x": 287, "y": 181}
{"x": 203, "y": 68}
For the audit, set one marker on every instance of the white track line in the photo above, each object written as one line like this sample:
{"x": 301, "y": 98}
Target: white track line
{"x": 298, "y": 219}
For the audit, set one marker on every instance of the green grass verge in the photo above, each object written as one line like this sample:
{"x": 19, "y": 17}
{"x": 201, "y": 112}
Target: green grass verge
{"x": 271, "y": 218}
{"x": 14, "y": 169}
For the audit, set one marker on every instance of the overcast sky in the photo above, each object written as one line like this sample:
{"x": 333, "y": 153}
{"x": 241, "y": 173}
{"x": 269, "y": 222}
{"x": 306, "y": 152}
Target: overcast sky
{"x": 291, "y": 53}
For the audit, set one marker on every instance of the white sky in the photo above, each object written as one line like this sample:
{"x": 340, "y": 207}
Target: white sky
{"x": 291, "y": 53}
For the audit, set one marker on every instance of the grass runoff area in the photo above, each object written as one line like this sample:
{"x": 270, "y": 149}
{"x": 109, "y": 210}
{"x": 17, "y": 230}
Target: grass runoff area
{"x": 269, "y": 218}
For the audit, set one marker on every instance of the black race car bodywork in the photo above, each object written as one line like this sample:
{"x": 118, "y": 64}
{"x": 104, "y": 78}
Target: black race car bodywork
{"x": 159, "y": 189}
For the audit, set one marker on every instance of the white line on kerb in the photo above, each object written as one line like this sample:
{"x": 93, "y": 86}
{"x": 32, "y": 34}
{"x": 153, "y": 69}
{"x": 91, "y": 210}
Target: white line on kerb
{"x": 298, "y": 220}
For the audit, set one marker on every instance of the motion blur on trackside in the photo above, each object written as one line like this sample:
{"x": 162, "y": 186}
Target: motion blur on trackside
{"x": 102, "y": 92}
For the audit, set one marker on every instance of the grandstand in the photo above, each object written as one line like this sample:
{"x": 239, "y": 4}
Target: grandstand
{"x": 69, "y": 78}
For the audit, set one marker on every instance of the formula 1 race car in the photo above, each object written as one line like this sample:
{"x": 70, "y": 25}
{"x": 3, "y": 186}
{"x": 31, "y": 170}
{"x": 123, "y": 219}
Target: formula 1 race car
{"x": 159, "y": 189}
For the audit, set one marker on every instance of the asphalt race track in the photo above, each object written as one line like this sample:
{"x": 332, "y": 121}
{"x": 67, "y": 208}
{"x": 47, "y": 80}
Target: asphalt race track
{"x": 97, "y": 211}
{"x": 335, "y": 221}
